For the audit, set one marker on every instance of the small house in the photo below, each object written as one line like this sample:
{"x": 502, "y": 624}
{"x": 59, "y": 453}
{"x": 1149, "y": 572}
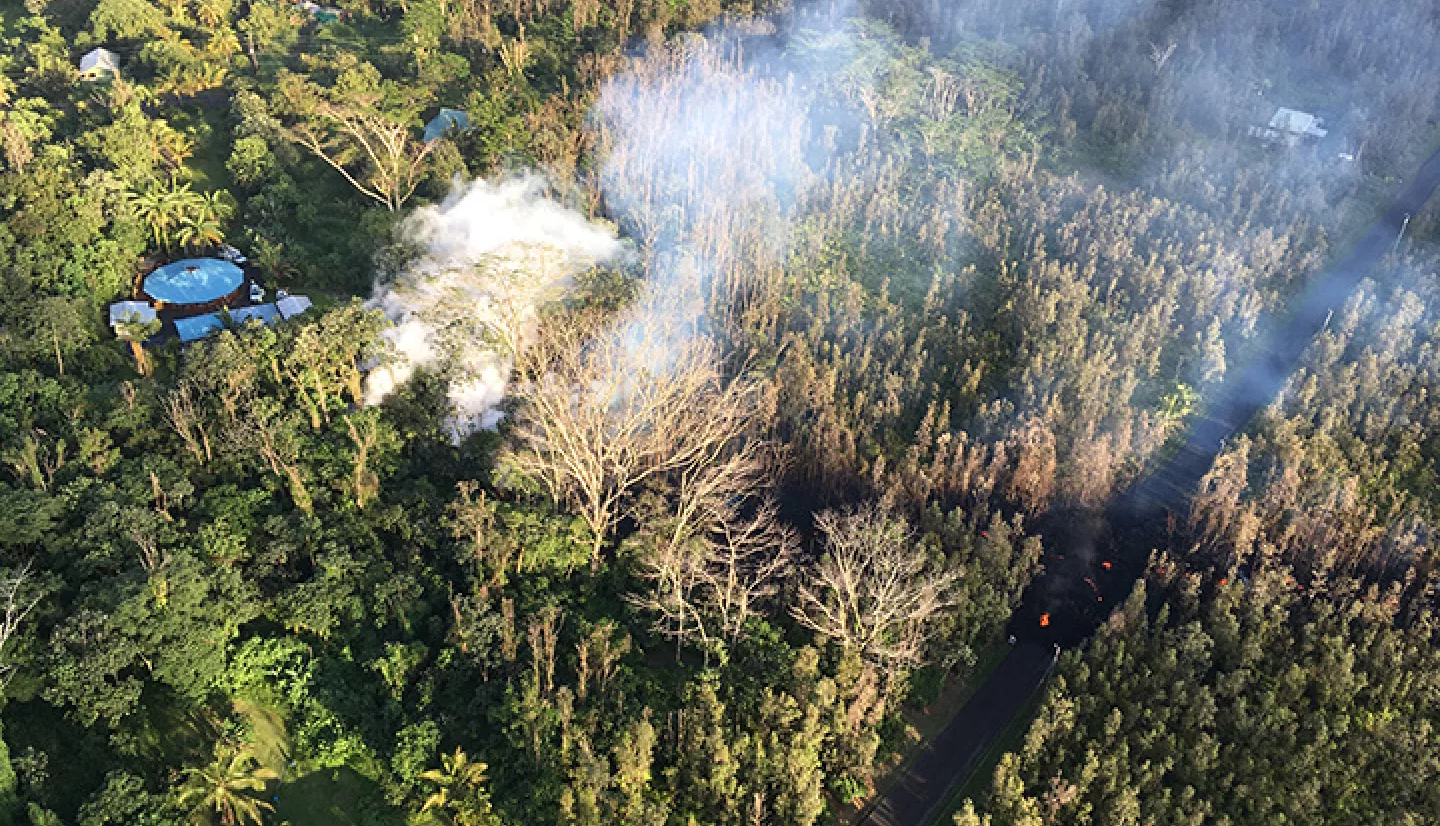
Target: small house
{"x": 197, "y": 327}
{"x": 99, "y": 62}
{"x": 292, "y": 305}
{"x": 122, "y": 312}
{"x": 448, "y": 122}
{"x": 1290, "y": 127}
{"x": 319, "y": 13}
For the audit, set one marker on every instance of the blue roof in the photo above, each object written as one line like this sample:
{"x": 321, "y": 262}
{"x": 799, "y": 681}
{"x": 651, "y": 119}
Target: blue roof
{"x": 197, "y": 327}
{"x": 448, "y": 119}
{"x": 194, "y": 281}
{"x": 265, "y": 313}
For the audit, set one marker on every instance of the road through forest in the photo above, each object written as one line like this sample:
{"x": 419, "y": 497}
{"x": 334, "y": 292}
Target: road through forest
{"x": 1131, "y": 521}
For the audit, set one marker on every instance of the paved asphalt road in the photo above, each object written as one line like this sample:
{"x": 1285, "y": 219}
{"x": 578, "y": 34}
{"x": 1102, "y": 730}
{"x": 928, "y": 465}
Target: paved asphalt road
{"x": 956, "y": 750}
{"x": 1255, "y": 384}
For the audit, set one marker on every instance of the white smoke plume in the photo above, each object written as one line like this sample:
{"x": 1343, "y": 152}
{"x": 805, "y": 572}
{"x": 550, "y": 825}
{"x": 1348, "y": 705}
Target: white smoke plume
{"x": 703, "y": 146}
{"x": 493, "y": 254}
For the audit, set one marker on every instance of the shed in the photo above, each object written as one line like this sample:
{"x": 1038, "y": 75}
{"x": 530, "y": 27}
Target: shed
{"x": 319, "y": 13}
{"x": 1300, "y": 124}
{"x": 443, "y": 124}
{"x": 1290, "y": 127}
{"x": 99, "y": 61}
{"x": 292, "y": 305}
{"x": 264, "y": 313}
{"x": 197, "y": 327}
{"x": 123, "y": 311}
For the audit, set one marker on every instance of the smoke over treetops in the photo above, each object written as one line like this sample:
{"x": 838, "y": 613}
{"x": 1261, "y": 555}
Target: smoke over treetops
{"x": 493, "y": 253}
{"x": 704, "y": 161}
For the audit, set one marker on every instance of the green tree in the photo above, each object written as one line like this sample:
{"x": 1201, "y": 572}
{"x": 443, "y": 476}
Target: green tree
{"x": 61, "y": 326}
{"x": 460, "y": 795}
{"x": 134, "y": 330}
{"x": 362, "y": 127}
{"x": 227, "y": 787}
{"x": 167, "y": 208}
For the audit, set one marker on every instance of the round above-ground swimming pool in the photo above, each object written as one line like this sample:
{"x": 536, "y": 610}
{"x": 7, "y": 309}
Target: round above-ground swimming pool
{"x": 194, "y": 281}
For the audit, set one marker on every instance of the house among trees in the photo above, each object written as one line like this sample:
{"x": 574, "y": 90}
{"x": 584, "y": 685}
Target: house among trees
{"x": 200, "y": 326}
{"x": 98, "y": 62}
{"x": 443, "y": 124}
{"x": 1290, "y": 127}
{"x": 123, "y": 311}
{"x": 319, "y": 13}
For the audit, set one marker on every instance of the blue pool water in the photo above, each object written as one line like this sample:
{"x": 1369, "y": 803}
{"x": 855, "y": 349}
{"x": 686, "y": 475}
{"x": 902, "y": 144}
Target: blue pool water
{"x": 194, "y": 281}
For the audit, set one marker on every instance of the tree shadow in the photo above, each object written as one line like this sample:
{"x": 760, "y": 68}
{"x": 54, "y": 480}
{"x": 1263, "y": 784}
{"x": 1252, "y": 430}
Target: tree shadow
{"x": 334, "y": 797}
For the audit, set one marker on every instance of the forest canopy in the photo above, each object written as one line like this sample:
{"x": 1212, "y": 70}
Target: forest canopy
{"x": 698, "y": 399}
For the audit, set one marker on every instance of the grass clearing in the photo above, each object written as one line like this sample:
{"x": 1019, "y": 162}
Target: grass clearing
{"x": 334, "y": 797}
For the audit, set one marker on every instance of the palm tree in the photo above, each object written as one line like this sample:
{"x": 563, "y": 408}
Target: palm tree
{"x": 215, "y": 205}
{"x": 226, "y": 787}
{"x": 163, "y": 208}
{"x": 135, "y": 330}
{"x": 196, "y": 215}
{"x": 461, "y": 794}
{"x": 199, "y": 231}
{"x": 151, "y": 207}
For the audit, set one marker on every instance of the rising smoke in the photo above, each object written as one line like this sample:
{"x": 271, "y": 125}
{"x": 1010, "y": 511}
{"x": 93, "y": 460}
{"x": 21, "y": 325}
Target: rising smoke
{"x": 702, "y": 165}
{"x": 492, "y": 255}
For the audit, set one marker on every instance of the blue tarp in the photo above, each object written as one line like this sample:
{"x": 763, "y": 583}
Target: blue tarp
{"x": 197, "y": 327}
{"x": 194, "y": 281}
{"x": 448, "y": 119}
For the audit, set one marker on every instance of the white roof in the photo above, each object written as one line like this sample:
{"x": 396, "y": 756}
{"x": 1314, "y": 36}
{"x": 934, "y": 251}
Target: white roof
{"x": 99, "y": 60}
{"x": 120, "y": 310}
{"x": 1299, "y": 123}
{"x": 292, "y": 305}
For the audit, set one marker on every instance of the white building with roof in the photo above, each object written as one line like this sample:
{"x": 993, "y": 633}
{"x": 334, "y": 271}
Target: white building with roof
{"x": 98, "y": 62}
{"x": 292, "y": 305}
{"x": 1290, "y": 127}
{"x": 131, "y": 311}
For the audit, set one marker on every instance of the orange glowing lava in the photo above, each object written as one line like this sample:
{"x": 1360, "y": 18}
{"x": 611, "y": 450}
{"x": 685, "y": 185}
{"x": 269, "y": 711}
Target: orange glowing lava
{"x": 1044, "y": 620}
{"x": 1105, "y": 565}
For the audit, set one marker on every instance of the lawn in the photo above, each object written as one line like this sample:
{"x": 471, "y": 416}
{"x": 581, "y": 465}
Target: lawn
{"x": 334, "y": 797}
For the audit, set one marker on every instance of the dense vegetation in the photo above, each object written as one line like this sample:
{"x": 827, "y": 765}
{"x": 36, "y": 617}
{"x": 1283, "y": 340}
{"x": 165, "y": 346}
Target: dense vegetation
{"x": 901, "y": 285}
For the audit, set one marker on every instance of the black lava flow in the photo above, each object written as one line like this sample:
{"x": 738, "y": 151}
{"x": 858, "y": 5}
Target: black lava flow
{"x": 1092, "y": 561}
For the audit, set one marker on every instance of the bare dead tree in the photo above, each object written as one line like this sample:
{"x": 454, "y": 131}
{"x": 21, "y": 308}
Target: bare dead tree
{"x": 1160, "y": 55}
{"x": 188, "y": 422}
{"x": 875, "y": 591}
{"x": 17, "y": 600}
{"x": 602, "y": 416}
{"x": 747, "y": 566}
{"x": 718, "y": 556}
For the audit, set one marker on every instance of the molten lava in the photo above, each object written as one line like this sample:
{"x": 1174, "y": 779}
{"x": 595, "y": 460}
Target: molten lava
{"x": 1105, "y": 564}
{"x": 1044, "y": 620}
